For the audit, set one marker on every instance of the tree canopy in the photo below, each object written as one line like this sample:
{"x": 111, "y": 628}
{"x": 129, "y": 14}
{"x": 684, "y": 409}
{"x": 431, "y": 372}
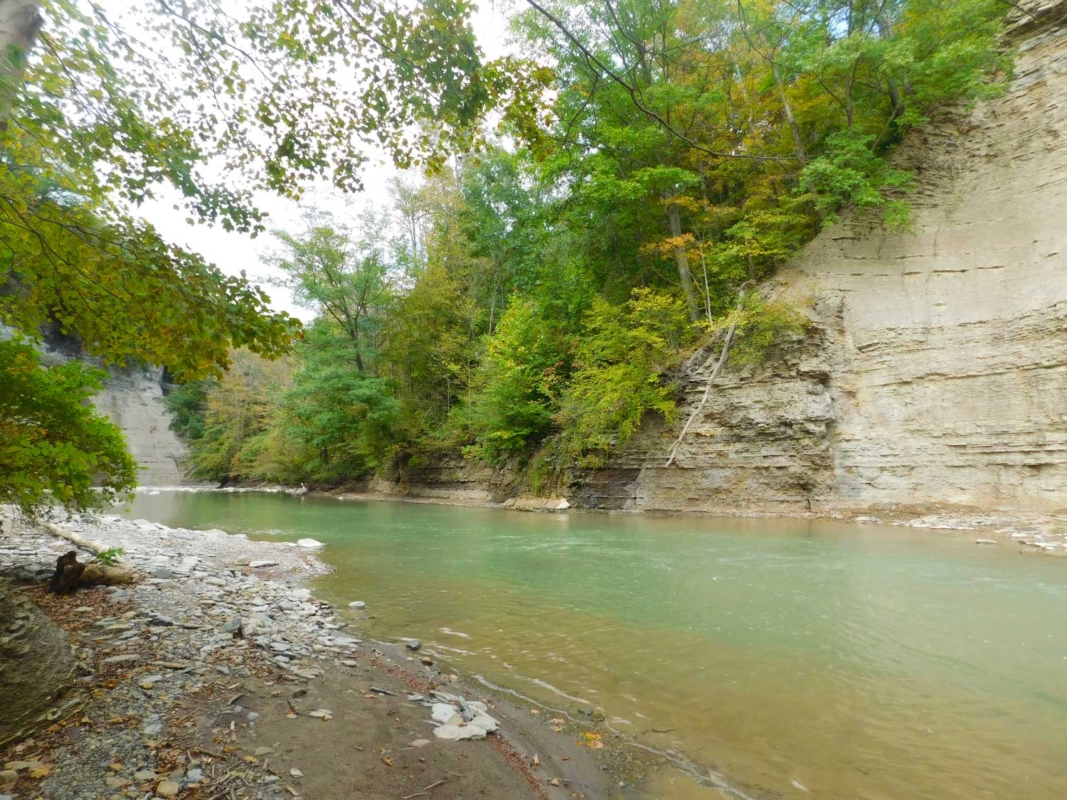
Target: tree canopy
{"x": 591, "y": 211}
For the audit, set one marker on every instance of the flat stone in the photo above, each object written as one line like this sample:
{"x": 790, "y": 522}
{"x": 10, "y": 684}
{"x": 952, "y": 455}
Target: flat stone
{"x": 123, "y": 659}
{"x": 414, "y": 645}
{"x": 460, "y": 733}
{"x": 485, "y": 722}
{"x": 357, "y": 604}
{"x": 168, "y": 789}
{"x": 296, "y": 773}
{"x": 263, "y": 751}
{"x": 419, "y": 743}
{"x": 309, "y": 543}
{"x": 986, "y": 541}
{"x": 117, "y": 783}
{"x": 444, "y": 713}
{"x": 144, "y": 775}
{"x": 260, "y": 564}
{"x": 233, "y": 626}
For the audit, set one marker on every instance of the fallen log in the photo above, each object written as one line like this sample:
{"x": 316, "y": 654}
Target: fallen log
{"x": 73, "y": 538}
{"x": 71, "y": 574}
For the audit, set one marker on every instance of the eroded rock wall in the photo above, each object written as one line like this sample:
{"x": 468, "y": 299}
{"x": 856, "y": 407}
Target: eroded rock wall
{"x": 132, "y": 399}
{"x": 936, "y": 368}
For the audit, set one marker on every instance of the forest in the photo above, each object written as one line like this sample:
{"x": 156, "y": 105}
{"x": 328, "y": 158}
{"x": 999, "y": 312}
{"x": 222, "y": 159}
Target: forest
{"x": 575, "y": 219}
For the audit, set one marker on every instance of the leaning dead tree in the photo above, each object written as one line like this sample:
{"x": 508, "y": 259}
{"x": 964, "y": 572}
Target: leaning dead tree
{"x": 725, "y": 354}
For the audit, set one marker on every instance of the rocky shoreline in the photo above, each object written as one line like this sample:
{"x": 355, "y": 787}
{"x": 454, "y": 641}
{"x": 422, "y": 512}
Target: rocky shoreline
{"x": 218, "y": 675}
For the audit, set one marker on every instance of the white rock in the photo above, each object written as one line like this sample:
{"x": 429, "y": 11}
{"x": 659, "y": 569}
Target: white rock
{"x": 455, "y": 732}
{"x": 443, "y": 713}
{"x": 357, "y": 604}
{"x": 310, "y": 543}
{"x": 300, "y": 594}
{"x": 485, "y": 722}
{"x": 257, "y": 564}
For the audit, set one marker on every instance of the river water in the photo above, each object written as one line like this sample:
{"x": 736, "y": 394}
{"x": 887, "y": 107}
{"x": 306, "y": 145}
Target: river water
{"x": 793, "y": 659}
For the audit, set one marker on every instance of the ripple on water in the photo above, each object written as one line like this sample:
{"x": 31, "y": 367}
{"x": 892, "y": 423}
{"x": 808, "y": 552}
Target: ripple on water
{"x": 857, "y": 662}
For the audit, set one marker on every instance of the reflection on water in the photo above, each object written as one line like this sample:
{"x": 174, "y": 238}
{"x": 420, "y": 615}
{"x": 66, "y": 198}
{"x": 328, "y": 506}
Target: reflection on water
{"x": 803, "y": 659}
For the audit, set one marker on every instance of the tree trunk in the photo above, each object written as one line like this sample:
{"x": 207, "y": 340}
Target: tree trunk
{"x": 71, "y": 574}
{"x": 20, "y": 22}
{"x": 798, "y": 142}
{"x": 684, "y": 273}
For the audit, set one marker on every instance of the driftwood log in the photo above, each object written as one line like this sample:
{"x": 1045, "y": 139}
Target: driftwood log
{"x": 71, "y": 574}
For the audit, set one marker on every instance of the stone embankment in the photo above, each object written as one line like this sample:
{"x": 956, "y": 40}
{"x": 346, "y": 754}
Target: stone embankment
{"x": 213, "y": 676}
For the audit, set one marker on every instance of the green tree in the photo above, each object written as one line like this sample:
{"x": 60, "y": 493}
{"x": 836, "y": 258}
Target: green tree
{"x": 618, "y": 373}
{"x": 53, "y": 446}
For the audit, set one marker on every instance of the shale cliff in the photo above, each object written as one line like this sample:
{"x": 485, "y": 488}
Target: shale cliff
{"x": 132, "y": 400}
{"x": 935, "y": 369}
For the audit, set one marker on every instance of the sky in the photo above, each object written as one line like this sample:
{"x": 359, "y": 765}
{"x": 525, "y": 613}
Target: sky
{"x": 236, "y": 252}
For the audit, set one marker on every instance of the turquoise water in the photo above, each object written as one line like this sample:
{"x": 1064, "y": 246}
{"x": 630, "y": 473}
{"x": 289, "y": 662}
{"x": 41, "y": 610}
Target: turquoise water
{"x": 798, "y": 659}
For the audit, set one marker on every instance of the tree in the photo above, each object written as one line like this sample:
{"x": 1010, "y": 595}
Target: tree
{"x": 339, "y": 271}
{"x": 53, "y": 445}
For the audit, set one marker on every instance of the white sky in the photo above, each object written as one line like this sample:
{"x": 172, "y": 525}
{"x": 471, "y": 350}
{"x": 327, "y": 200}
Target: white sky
{"x": 234, "y": 252}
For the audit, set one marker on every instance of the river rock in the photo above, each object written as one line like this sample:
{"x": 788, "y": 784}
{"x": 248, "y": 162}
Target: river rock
{"x": 168, "y": 789}
{"x": 459, "y": 733}
{"x": 986, "y": 541}
{"x": 262, "y": 563}
{"x": 309, "y": 543}
{"x": 233, "y": 626}
{"x": 414, "y": 645}
{"x": 485, "y": 722}
{"x": 445, "y": 714}
{"x": 357, "y": 604}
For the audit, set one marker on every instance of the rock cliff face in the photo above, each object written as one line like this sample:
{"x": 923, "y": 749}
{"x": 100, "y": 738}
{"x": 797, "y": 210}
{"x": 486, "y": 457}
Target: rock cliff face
{"x": 131, "y": 399}
{"x": 936, "y": 368}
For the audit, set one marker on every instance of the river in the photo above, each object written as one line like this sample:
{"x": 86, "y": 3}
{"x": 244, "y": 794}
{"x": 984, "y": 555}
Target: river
{"x": 795, "y": 659}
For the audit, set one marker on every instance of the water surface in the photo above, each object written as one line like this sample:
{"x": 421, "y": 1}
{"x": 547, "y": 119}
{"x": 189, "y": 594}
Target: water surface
{"x": 797, "y": 659}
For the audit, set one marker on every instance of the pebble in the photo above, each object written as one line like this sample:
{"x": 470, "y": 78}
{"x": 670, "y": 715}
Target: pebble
{"x": 986, "y": 541}
{"x": 233, "y": 626}
{"x": 144, "y": 775}
{"x": 414, "y": 645}
{"x": 296, "y": 773}
{"x": 357, "y": 604}
{"x": 263, "y": 751}
{"x": 168, "y": 789}
{"x": 262, "y": 563}
{"x": 309, "y": 543}
{"x": 420, "y": 743}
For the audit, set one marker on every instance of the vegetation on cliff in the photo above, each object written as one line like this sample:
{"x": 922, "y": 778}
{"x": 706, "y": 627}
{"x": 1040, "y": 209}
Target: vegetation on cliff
{"x": 548, "y": 288}
{"x": 645, "y": 162}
